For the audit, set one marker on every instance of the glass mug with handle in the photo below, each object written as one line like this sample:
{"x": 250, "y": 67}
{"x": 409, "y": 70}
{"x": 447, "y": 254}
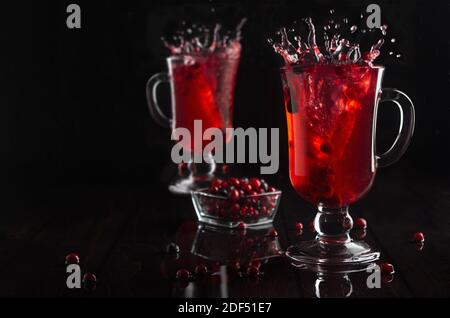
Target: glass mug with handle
{"x": 331, "y": 113}
{"x": 202, "y": 88}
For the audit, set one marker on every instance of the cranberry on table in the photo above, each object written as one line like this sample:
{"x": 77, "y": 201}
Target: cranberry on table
{"x": 183, "y": 274}
{"x": 360, "y": 223}
{"x": 299, "y": 226}
{"x": 201, "y": 270}
{"x": 418, "y": 237}
{"x": 72, "y": 258}
{"x": 89, "y": 281}
{"x": 387, "y": 268}
{"x": 248, "y": 188}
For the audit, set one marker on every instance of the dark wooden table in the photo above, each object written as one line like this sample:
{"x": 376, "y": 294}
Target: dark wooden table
{"x": 120, "y": 234}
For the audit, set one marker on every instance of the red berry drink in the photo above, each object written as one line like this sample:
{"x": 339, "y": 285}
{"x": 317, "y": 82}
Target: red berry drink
{"x": 203, "y": 89}
{"x": 330, "y": 111}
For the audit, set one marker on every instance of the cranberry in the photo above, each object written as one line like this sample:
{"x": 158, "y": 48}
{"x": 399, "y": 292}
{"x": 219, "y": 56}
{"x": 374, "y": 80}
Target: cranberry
{"x": 261, "y": 191}
{"x": 251, "y": 211}
{"x": 234, "y": 195}
{"x": 172, "y": 248}
{"x": 183, "y": 274}
{"x": 360, "y": 223}
{"x": 201, "y": 270}
{"x": 235, "y": 208}
{"x": 214, "y": 190}
{"x": 242, "y": 226}
{"x": 255, "y": 183}
{"x": 253, "y": 193}
{"x": 234, "y": 182}
{"x": 273, "y": 233}
{"x": 387, "y": 268}
{"x": 225, "y": 185}
{"x": 72, "y": 258}
{"x": 418, "y": 237}
{"x": 247, "y": 188}
{"x": 299, "y": 226}
{"x": 243, "y": 211}
{"x": 271, "y": 189}
{"x": 89, "y": 281}
{"x": 264, "y": 210}
{"x": 253, "y": 271}
{"x": 216, "y": 183}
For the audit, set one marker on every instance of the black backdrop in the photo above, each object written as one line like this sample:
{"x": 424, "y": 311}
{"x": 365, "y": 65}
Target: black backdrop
{"x": 72, "y": 102}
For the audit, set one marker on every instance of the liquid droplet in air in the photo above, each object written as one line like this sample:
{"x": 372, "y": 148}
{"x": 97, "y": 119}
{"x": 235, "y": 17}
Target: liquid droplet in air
{"x": 393, "y": 40}
{"x": 353, "y": 28}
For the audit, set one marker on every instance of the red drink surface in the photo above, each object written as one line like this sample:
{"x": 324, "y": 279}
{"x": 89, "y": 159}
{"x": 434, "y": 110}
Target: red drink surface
{"x": 203, "y": 89}
{"x": 329, "y": 111}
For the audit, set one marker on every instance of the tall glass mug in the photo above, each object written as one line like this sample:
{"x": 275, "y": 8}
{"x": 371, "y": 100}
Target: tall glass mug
{"x": 202, "y": 88}
{"x": 331, "y": 113}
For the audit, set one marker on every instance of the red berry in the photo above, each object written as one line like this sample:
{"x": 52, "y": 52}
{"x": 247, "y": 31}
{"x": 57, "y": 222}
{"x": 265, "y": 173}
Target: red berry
{"x": 214, "y": 190}
{"x": 243, "y": 211}
{"x": 234, "y": 182}
{"x": 89, "y": 281}
{"x": 251, "y": 211}
{"x": 261, "y": 191}
{"x": 253, "y": 271}
{"x": 183, "y": 274}
{"x": 360, "y": 223}
{"x": 273, "y": 233}
{"x": 235, "y": 208}
{"x": 225, "y": 185}
{"x": 216, "y": 183}
{"x": 253, "y": 193}
{"x": 271, "y": 189}
{"x": 247, "y": 188}
{"x": 255, "y": 183}
{"x": 418, "y": 237}
{"x": 299, "y": 226}
{"x": 72, "y": 258}
{"x": 201, "y": 270}
{"x": 264, "y": 210}
{"x": 234, "y": 195}
{"x": 387, "y": 268}
{"x": 242, "y": 226}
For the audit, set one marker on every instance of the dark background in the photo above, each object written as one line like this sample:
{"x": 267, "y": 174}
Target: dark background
{"x": 73, "y": 107}
{"x": 83, "y": 168}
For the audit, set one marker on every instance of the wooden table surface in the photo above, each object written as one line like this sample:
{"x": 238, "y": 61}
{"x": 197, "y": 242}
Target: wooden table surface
{"x": 120, "y": 235}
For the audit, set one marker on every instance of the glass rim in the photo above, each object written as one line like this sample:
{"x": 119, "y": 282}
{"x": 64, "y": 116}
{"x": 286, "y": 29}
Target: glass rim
{"x": 289, "y": 67}
{"x": 197, "y": 56}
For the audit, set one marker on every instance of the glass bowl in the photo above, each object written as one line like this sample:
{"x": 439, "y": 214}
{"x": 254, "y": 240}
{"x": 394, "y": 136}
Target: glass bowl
{"x": 256, "y": 210}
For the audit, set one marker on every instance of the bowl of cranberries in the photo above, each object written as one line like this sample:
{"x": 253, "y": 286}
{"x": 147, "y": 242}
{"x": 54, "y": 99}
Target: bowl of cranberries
{"x": 237, "y": 203}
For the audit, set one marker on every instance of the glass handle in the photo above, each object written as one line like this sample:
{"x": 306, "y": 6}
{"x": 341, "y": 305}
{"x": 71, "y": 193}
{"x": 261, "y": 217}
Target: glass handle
{"x": 406, "y": 129}
{"x": 152, "y": 100}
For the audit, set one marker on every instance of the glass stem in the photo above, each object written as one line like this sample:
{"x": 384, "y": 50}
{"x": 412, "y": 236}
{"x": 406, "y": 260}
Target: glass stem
{"x": 333, "y": 225}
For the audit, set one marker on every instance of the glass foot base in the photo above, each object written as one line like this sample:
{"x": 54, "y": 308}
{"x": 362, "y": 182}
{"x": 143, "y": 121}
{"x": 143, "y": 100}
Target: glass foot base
{"x": 316, "y": 253}
{"x": 184, "y": 186}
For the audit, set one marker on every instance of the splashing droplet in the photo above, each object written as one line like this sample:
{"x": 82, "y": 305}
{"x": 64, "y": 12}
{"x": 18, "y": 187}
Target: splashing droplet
{"x": 337, "y": 26}
{"x": 393, "y": 40}
{"x": 331, "y": 11}
{"x": 383, "y": 29}
{"x": 398, "y": 56}
{"x": 353, "y": 28}
{"x": 391, "y": 53}
{"x": 345, "y": 20}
